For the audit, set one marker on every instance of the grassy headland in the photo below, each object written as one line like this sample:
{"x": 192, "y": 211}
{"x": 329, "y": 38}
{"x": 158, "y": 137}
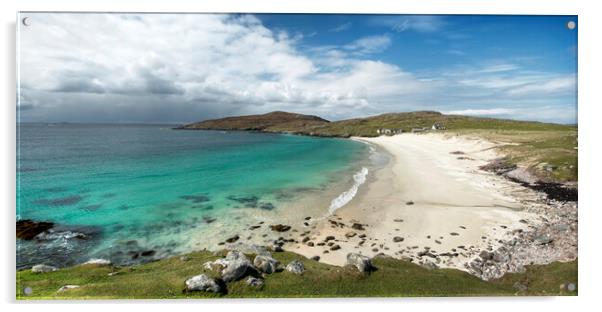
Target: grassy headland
{"x": 548, "y": 150}
{"x": 392, "y": 278}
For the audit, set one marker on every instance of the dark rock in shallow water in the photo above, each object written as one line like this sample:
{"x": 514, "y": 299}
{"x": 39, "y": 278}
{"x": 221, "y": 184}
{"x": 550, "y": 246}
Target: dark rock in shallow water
{"x": 249, "y": 201}
{"x": 92, "y": 207}
{"x": 266, "y": 206}
{"x": 280, "y": 227}
{"x": 63, "y": 201}
{"x": 196, "y": 198}
{"x": 209, "y": 220}
{"x": 148, "y": 253}
{"x": 28, "y": 229}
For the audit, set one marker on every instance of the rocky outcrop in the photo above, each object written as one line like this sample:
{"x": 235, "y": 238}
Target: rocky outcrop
{"x": 202, "y": 283}
{"x": 42, "y": 268}
{"x": 236, "y": 266}
{"x": 28, "y": 229}
{"x": 296, "y": 267}
{"x": 362, "y": 263}
{"x": 265, "y": 264}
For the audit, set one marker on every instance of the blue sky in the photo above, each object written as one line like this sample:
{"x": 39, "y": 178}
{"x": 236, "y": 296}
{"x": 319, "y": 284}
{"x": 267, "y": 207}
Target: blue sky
{"x": 182, "y": 68}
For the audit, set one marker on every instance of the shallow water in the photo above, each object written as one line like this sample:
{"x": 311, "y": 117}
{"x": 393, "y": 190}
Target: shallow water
{"x": 142, "y": 191}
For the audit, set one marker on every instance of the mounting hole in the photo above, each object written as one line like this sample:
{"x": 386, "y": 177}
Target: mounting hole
{"x": 571, "y": 25}
{"x": 26, "y": 21}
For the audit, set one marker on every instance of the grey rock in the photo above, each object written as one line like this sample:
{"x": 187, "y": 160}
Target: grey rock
{"x": 486, "y": 255}
{"x": 543, "y": 239}
{"x": 202, "y": 283}
{"x": 42, "y": 268}
{"x": 362, "y": 263}
{"x": 254, "y": 282}
{"x": 265, "y": 264}
{"x": 68, "y": 287}
{"x": 296, "y": 267}
{"x": 236, "y": 264}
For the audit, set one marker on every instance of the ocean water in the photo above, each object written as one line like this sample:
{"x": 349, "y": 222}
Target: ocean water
{"x": 138, "y": 192}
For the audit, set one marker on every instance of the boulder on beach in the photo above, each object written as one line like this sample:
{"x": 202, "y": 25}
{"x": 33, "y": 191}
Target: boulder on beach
{"x": 280, "y": 227}
{"x": 202, "y": 283}
{"x": 296, "y": 267}
{"x": 357, "y": 226}
{"x": 43, "y": 268}
{"x": 362, "y": 263}
{"x": 265, "y": 264}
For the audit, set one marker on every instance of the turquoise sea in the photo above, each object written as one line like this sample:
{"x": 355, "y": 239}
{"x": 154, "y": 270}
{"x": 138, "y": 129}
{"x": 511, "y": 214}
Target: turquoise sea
{"x": 135, "y": 192}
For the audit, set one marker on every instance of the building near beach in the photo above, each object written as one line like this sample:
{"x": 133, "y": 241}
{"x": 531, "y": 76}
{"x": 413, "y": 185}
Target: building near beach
{"x": 438, "y": 126}
{"x": 388, "y": 131}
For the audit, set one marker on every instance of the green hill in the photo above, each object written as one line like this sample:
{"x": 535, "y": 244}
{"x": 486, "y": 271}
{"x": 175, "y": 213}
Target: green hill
{"x": 549, "y": 150}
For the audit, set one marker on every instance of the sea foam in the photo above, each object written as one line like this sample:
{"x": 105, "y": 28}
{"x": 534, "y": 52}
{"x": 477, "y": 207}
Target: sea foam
{"x": 359, "y": 178}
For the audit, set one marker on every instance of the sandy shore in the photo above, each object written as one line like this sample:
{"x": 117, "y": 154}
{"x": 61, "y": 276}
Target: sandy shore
{"x": 430, "y": 199}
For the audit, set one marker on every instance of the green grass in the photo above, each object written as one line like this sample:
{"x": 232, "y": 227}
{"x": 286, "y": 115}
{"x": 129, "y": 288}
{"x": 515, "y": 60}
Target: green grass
{"x": 393, "y": 278}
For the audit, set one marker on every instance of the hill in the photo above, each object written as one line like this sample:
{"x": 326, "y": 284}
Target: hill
{"x": 270, "y": 122}
{"x": 548, "y": 150}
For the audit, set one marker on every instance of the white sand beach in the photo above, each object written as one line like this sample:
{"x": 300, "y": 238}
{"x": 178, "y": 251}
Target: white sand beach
{"x": 431, "y": 196}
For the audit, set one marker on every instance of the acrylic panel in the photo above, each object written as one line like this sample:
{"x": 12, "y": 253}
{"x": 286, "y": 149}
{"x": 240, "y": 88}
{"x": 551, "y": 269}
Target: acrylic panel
{"x": 295, "y": 155}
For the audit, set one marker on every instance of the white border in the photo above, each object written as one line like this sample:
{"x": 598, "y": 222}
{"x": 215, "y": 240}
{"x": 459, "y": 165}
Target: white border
{"x": 589, "y": 137}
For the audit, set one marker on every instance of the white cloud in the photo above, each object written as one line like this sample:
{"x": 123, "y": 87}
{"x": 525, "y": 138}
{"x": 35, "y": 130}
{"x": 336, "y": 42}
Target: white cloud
{"x": 499, "y": 68}
{"x": 341, "y": 27}
{"x": 482, "y": 112}
{"x": 369, "y": 44}
{"x": 187, "y": 67}
{"x": 420, "y": 23}
{"x": 210, "y": 64}
{"x": 553, "y": 85}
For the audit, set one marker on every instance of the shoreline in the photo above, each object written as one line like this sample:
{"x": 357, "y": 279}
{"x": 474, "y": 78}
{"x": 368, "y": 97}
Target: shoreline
{"x": 433, "y": 205}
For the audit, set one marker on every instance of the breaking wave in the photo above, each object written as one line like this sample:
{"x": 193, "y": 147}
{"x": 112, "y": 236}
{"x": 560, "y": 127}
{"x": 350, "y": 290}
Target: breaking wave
{"x": 359, "y": 178}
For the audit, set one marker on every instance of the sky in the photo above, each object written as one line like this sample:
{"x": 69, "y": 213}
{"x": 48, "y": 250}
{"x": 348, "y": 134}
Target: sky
{"x": 180, "y": 68}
